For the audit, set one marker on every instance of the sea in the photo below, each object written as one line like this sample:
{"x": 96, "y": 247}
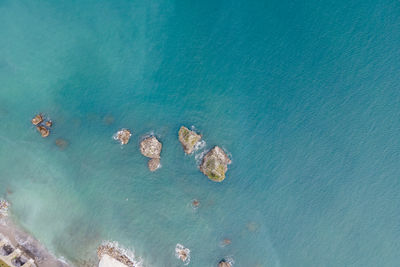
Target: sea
{"x": 304, "y": 97}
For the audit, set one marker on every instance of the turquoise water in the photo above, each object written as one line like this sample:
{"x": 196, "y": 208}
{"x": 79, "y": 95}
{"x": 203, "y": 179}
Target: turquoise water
{"x": 303, "y": 95}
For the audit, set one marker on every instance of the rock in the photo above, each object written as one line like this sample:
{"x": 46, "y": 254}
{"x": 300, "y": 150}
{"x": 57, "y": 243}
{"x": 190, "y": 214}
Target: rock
{"x": 48, "y": 123}
{"x": 151, "y": 147}
{"x": 123, "y": 136}
{"x": 43, "y": 131}
{"x": 115, "y": 252}
{"x": 153, "y": 164}
{"x": 215, "y": 164}
{"x": 224, "y": 263}
{"x": 188, "y": 139}
{"x": 37, "y": 119}
{"x": 61, "y": 143}
{"x": 182, "y": 253}
{"x": 4, "y": 208}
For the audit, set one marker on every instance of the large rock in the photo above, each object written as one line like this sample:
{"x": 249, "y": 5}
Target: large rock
{"x": 153, "y": 164}
{"x": 37, "y": 119}
{"x": 188, "y": 139}
{"x": 215, "y": 164}
{"x": 151, "y": 147}
{"x": 123, "y": 136}
{"x": 43, "y": 131}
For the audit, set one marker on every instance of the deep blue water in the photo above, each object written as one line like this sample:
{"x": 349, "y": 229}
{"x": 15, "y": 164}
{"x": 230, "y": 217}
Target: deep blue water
{"x": 303, "y": 95}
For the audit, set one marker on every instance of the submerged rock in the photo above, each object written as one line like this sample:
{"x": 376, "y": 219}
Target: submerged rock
{"x": 43, "y": 131}
{"x": 61, "y": 143}
{"x": 123, "y": 136}
{"x": 215, "y": 164}
{"x": 153, "y": 164}
{"x": 188, "y": 139}
{"x": 37, "y": 119}
{"x": 151, "y": 147}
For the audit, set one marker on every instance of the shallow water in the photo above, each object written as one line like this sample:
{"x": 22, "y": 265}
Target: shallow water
{"x": 304, "y": 97}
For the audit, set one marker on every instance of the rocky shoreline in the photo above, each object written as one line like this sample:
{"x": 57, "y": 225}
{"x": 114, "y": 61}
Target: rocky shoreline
{"x": 28, "y": 245}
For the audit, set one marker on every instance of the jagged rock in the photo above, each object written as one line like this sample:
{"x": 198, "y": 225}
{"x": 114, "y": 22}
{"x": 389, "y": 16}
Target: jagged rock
{"x": 43, "y": 131}
{"x": 188, "y": 139}
{"x": 182, "y": 253}
{"x": 37, "y": 119}
{"x": 151, "y": 147}
{"x": 123, "y": 136}
{"x": 224, "y": 263}
{"x": 215, "y": 164}
{"x": 115, "y": 252}
{"x": 48, "y": 123}
{"x": 61, "y": 143}
{"x": 3, "y": 207}
{"x": 153, "y": 164}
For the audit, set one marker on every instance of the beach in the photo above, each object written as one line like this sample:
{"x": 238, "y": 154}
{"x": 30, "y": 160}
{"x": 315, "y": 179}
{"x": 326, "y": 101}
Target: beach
{"x": 28, "y": 245}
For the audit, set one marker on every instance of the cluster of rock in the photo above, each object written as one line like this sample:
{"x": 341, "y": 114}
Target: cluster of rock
{"x": 42, "y": 125}
{"x": 4, "y": 205}
{"x": 215, "y": 162}
{"x": 112, "y": 250}
{"x": 150, "y": 147}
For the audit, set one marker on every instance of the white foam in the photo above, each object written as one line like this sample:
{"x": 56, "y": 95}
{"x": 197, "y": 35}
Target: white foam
{"x": 126, "y": 252}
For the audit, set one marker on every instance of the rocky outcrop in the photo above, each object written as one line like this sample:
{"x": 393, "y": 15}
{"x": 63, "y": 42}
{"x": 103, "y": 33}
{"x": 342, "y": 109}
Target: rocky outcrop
{"x": 123, "y": 136}
{"x": 188, "y": 139}
{"x": 43, "y": 131}
{"x": 151, "y": 147}
{"x": 224, "y": 263}
{"x": 42, "y": 125}
{"x": 215, "y": 164}
{"x": 37, "y": 119}
{"x": 115, "y": 252}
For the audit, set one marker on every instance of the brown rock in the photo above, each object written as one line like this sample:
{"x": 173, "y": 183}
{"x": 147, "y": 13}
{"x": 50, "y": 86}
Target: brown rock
{"x": 48, "y": 123}
{"x": 153, "y": 164}
{"x": 37, "y": 119}
{"x": 151, "y": 147}
{"x": 61, "y": 143}
{"x": 123, "y": 136}
{"x": 43, "y": 131}
{"x": 223, "y": 263}
{"x": 215, "y": 164}
{"x": 188, "y": 139}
